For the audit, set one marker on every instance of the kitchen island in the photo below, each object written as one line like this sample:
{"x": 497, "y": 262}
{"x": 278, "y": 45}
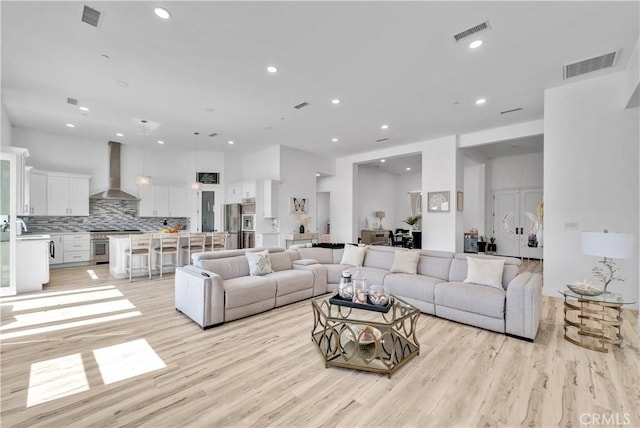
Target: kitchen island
{"x": 119, "y": 244}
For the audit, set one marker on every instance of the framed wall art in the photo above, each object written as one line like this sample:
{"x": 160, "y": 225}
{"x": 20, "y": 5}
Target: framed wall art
{"x": 460, "y": 201}
{"x": 297, "y": 205}
{"x": 438, "y": 202}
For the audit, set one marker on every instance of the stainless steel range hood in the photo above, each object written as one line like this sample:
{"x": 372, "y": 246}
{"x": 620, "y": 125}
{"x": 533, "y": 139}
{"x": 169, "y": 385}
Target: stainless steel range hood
{"x": 114, "y": 192}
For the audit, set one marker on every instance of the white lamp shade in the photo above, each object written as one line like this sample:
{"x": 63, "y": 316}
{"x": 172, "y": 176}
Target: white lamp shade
{"x": 612, "y": 245}
{"x": 196, "y": 185}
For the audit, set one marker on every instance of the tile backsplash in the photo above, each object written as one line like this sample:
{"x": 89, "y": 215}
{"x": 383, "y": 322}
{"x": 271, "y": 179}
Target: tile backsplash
{"x": 104, "y": 215}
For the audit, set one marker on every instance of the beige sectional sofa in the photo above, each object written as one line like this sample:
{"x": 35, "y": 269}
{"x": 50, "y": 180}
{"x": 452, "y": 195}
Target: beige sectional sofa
{"x": 438, "y": 287}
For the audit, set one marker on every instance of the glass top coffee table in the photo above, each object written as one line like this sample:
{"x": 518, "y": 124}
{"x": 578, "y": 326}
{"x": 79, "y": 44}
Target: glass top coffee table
{"x": 593, "y": 321}
{"x": 363, "y": 339}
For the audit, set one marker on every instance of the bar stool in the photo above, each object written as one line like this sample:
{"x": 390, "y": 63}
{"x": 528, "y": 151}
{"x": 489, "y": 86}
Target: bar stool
{"x": 196, "y": 243}
{"x": 140, "y": 247}
{"x": 168, "y": 245}
{"x": 218, "y": 241}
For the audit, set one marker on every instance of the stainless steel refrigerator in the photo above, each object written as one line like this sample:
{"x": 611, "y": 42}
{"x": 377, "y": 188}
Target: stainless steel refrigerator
{"x": 232, "y": 225}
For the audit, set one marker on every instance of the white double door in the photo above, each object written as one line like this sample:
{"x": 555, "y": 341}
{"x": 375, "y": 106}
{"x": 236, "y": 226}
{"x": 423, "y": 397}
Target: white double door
{"x": 515, "y": 220}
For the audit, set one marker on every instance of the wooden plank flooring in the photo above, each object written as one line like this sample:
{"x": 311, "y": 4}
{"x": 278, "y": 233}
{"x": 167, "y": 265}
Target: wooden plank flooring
{"x": 265, "y": 371}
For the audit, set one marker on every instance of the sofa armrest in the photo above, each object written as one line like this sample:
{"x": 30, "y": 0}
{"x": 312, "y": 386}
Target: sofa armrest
{"x": 198, "y": 296}
{"x": 319, "y": 273}
{"x": 524, "y": 305}
{"x": 305, "y": 262}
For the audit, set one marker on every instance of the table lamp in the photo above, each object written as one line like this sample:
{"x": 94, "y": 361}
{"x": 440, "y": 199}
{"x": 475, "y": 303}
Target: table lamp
{"x": 380, "y": 215}
{"x": 609, "y": 246}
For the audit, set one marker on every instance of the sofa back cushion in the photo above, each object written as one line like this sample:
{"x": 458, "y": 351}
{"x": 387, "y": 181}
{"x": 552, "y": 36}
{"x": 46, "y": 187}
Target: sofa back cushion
{"x": 379, "y": 257}
{"x": 227, "y": 267}
{"x": 322, "y": 255}
{"x": 435, "y": 264}
{"x": 458, "y": 271}
{"x": 353, "y": 255}
{"x": 281, "y": 261}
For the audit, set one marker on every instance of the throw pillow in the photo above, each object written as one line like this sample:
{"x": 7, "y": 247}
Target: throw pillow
{"x": 259, "y": 263}
{"x": 485, "y": 271}
{"x": 405, "y": 262}
{"x": 353, "y": 256}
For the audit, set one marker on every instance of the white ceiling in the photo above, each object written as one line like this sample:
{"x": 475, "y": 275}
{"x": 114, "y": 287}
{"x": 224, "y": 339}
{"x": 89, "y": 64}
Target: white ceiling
{"x": 389, "y": 62}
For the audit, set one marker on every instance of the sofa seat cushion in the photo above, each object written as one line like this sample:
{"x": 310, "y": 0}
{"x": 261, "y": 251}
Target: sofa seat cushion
{"x": 247, "y": 290}
{"x": 417, "y": 287}
{"x": 290, "y": 281}
{"x": 478, "y": 299}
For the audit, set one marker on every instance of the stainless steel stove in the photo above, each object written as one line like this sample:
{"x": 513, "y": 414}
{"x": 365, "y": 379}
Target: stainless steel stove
{"x": 100, "y": 243}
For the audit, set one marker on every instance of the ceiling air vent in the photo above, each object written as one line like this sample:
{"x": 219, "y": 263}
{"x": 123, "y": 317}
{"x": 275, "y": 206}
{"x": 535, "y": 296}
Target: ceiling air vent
{"x": 381, "y": 140}
{"x": 471, "y": 31}
{"x": 511, "y": 111}
{"x": 91, "y": 16}
{"x": 588, "y": 65}
{"x": 72, "y": 101}
{"x": 301, "y": 105}
{"x": 213, "y": 134}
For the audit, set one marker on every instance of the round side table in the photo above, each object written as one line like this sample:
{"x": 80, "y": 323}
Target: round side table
{"x": 593, "y": 321}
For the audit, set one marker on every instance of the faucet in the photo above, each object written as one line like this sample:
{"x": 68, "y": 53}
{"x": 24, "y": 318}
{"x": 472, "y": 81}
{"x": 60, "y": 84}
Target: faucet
{"x": 22, "y": 227}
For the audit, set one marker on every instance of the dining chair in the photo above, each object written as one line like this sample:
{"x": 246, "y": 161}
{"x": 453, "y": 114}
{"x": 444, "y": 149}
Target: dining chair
{"x": 139, "y": 247}
{"x": 196, "y": 243}
{"x": 219, "y": 241}
{"x": 168, "y": 244}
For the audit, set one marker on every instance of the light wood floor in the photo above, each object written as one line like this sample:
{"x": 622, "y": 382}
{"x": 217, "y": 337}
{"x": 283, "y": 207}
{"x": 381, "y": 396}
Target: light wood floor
{"x": 265, "y": 371}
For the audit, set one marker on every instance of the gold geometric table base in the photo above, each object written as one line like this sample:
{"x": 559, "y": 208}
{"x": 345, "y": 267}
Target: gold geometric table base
{"x": 592, "y": 325}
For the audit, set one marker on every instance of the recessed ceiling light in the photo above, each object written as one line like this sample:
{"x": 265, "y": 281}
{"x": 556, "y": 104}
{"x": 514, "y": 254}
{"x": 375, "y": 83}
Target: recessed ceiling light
{"x": 335, "y": 101}
{"x": 70, "y": 125}
{"x": 119, "y": 134}
{"x": 383, "y": 160}
{"x": 230, "y": 142}
{"x": 481, "y": 101}
{"x": 83, "y": 108}
{"x": 475, "y": 44}
{"x": 317, "y": 174}
{"x": 384, "y": 127}
{"x": 162, "y": 13}
{"x": 160, "y": 142}
{"x": 272, "y": 69}
{"x": 335, "y": 140}
{"x": 408, "y": 169}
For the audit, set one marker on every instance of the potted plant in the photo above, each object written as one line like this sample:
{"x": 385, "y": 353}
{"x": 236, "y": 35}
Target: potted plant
{"x": 412, "y": 220}
{"x": 491, "y": 246}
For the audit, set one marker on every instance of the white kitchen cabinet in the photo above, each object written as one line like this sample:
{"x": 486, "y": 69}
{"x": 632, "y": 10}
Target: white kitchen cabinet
{"x": 154, "y": 201}
{"x": 67, "y": 194}
{"x": 37, "y": 193}
{"x": 77, "y": 248}
{"x": 248, "y": 189}
{"x": 56, "y": 256}
{"x": 234, "y": 193}
{"x": 32, "y": 264}
{"x": 177, "y": 202}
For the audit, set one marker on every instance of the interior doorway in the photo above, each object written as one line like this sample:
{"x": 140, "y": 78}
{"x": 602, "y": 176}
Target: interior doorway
{"x": 517, "y": 222}
{"x": 323, "y": 215}
{"x": 207, "y": 208}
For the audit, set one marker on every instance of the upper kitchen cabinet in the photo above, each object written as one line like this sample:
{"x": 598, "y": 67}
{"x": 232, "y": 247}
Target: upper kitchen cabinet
{"x": 154, "y": 201}
{"x": 67, "y": 194}
{"x": 234, "y": 193}
{"x": 177, "y": 202}
{"x": 249, "y": 189}
{"x": 37, "y": 204}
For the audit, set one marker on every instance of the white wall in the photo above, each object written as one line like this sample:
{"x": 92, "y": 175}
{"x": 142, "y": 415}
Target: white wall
{"x": 5, "y": 133}
{"x": 376, "y": 192}
{"x": 323, "y": 210}
{"x": 474, "y": 198}
{"x": 591, "y": 177}
{"x": 261, "y": 165}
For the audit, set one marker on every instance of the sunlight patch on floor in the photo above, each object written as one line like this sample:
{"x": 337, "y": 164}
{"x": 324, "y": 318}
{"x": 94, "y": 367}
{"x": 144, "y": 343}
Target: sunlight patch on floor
{"x": 57, "y": 315}
{"x": 66, "y": 299}
{"x": 56, "y": 378}
{"x": 45, "y": 294}
{"x": 92, "y": 274}
{"x": 64, "y": 326}
{"x": 127, "y": 360}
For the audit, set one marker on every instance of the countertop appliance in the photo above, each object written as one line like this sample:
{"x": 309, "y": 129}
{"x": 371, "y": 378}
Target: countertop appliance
{"x": 232, "y": 223}
{"x": 99, "y": 243}
{"x": 32, "y": 262}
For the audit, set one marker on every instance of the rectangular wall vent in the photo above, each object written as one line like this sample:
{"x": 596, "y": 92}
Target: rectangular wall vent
{"x": 589, "y": 65}
{"x": 381, "y": 140}
{"x": 471, "y": 31}
{"x": 91, "y": 16}
{"x": 72, "y": 101}
{"x": 213, "y": 134}
{"x": 511, "y": 111}
{"x": 301, "y": 105}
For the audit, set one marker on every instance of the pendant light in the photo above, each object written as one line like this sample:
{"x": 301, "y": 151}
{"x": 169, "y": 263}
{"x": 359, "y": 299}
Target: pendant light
{"x": 144, "y": 180}
{"x": 195, "y": 185}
